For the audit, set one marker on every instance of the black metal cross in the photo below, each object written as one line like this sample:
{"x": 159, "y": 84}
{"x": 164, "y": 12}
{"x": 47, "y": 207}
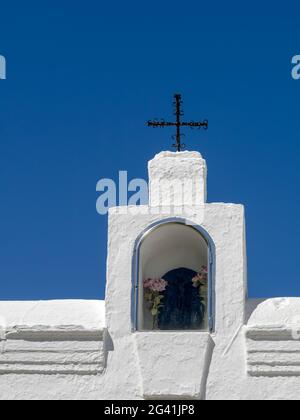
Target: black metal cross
{"x": 178, "y": 124}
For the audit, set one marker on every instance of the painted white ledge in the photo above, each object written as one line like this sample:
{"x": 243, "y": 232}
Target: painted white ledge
{"x": 88, "y": 314}
{"x": 52, "y": 337}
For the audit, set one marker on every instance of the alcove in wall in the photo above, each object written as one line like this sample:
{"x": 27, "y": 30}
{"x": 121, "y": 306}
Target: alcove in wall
{"x": 173, "y": 278}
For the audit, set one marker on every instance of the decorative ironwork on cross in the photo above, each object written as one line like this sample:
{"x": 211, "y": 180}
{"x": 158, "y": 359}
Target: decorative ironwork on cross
{"x": 178, "y": 124}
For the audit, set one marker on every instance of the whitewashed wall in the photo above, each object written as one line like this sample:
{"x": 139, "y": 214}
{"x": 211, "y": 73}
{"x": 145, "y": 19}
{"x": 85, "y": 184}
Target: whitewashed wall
{"x": 88, "y": 350}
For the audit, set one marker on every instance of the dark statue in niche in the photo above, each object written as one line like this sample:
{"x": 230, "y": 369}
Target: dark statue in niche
{"x": 183, "y": 308}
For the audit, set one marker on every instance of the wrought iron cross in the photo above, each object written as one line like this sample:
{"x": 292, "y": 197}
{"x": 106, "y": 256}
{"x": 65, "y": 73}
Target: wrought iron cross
{"x": 178, "y": 124}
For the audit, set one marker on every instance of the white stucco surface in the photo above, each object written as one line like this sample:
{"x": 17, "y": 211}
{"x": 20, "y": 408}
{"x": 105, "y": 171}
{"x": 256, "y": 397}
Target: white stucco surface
{"x": 78, "y": 313}
{"x": 43, "y": 339}
{"x": 90, "y": 350}
{"x": 178, "y": 179}
{"x": 278, "y": 312}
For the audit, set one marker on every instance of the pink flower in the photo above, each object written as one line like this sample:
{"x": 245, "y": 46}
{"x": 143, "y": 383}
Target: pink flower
{"x": 201, "y": 277}
{"x": 156, "y": 285}
{"x": 204, "y": 269}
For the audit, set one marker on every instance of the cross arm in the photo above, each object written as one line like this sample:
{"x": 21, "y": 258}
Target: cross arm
{"x": 161, "y": 124}
{"x": 178, "y": 124}
{"x": 195, "y": 124}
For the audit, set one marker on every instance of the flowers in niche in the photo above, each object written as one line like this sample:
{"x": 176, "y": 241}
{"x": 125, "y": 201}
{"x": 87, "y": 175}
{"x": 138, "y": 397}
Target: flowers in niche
{"x": 200, "y": 280}
{"x": 153, "y": 292}
{"x": 155, "y": 285}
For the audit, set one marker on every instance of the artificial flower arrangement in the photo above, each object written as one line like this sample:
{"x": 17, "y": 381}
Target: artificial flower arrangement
{"x": 154, "y": 292}
{"x": 153, "y": 289}
{"x": 200, "y": 281}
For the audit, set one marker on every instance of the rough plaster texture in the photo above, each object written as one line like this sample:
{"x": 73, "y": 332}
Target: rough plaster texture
{"x": 178, "y": 179}
{"x": 189, "y": 352}
{"x": 81, "y": 350}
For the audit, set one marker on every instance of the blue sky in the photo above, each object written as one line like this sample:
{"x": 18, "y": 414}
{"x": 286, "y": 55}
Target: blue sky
{"x": 83, "y": 77}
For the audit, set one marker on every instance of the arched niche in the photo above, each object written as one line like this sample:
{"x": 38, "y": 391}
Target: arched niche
{"x": 173, "y": 278}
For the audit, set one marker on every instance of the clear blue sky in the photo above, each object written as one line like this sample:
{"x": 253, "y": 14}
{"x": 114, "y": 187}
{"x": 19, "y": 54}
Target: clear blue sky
{"x": 83, "y": 77}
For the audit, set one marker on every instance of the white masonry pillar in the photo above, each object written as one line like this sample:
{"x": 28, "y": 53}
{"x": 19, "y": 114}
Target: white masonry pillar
{"x": 177, "y": 179}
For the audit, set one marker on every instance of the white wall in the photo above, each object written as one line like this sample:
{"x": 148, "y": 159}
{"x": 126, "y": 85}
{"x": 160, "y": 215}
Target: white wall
{"x": 78, "y": 350}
